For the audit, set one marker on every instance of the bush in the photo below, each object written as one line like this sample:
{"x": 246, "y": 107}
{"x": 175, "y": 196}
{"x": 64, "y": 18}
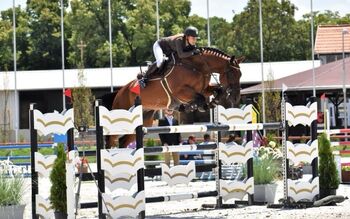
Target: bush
{"x": 328, "y": 173}
{"x": 58, "y": 196}
{"x": 267, "y": 165}
{"x": 11, "y": 190}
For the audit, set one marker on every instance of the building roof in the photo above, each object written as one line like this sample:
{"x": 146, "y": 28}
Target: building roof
{"x": 101, "y": 77}
{"x": 329, "y": 39}
{"x": 327, "y": 77}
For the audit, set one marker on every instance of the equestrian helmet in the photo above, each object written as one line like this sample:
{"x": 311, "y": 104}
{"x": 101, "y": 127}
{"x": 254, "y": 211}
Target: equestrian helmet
{"x": 191, "y": 31}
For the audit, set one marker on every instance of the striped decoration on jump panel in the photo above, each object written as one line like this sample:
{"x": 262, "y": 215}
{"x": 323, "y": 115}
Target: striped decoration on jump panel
{"x": 120, "y": 122}
{"x": 237, "y": 119}
{"x": 235, "y": 115}
{"x": 43, "y": 166}
{"x": 231, "y": 154}
{"x": 53, "y": 122}
{"x": 179, "y": 174}
{"x": 303, "y": 115}
{"x": 236, "y": 189}
{"x": 296, "y": 153}
{"x": 124, "y": 206}
{"x": 44, "y": 124}
{"x": 121, "y": 166}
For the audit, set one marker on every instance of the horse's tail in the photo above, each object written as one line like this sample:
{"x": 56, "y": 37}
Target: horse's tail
{"x": 107, "y": 100}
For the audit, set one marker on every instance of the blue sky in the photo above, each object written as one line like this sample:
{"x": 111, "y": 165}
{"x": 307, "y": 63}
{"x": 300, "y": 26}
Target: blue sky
{"x": 225, "y": 8}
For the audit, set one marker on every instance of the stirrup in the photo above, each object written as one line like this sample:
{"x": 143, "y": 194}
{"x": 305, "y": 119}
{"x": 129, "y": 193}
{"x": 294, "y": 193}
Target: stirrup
{"x": 142, "y": 82}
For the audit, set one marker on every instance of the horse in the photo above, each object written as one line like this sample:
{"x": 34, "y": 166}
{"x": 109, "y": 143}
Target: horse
{"x": 183, "y": 86}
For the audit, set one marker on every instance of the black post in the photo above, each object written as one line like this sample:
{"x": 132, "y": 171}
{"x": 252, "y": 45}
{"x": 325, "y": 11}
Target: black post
{"x": 70, "y": 139}
{"x": 219, "y": 200}
{"x": 99, "y": 147}
{"x": 313, "y": 134}
{"x": 250, "y": 168}
{"x": 286, "y": 127}
{"x": 139, "y": 145}
{"x": 34, "y": 148}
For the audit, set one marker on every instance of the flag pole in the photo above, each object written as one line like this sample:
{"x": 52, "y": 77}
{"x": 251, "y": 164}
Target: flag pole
{"x": 62, "y": 56}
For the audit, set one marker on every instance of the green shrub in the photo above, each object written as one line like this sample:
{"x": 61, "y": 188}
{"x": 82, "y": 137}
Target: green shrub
{"x": 11, "y": 190}
{"x": 267, "y": 165}
{"x": 58, "y": 196}
{"x": 328, "y": 173}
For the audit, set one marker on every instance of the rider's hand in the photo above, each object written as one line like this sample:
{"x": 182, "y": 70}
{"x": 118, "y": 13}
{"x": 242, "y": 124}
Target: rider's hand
{"x": 196, "y": 52}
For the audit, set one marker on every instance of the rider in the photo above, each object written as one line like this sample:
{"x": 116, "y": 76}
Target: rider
{"x": 183, "y": 44}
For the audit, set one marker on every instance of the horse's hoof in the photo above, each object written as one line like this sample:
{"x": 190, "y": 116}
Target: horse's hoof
{"x": 182, "y": 108}
{"x": 212, "y": 105}
{"x": 203, "y": 109}
{"x": 200, "y": 109}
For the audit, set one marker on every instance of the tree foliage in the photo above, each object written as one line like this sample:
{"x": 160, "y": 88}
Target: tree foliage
{"x": 58, "y": 196}
{"x": 272, "y": 101}
{"x": 327, "y": 169}
{"x": 38, "y": 31}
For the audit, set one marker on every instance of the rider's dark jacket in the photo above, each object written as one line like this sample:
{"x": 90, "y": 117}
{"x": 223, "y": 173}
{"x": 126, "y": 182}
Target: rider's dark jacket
{"x": 176, "y": 43}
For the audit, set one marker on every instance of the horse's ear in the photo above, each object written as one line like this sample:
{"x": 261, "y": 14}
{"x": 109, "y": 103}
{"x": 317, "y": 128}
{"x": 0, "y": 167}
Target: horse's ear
{"x": 241, "y": 59}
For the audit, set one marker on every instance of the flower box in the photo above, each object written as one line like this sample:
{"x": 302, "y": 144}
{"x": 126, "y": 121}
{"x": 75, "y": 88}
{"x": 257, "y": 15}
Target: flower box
{"x": 345, "y": 176}
{"x": 12, "y": 211}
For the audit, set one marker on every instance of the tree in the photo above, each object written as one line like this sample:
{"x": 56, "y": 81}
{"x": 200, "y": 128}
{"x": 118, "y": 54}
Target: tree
{"x": 272, "y": 101}
{"x": 5, "y": 129}
{"x": 6, "y": 57}
{"x": 45, "y": 35}
{"x": 58, "y": 196}
{"x": 279, "y": 28}
{"x": 82, "y": 102}
{"x": 328, "y": 172}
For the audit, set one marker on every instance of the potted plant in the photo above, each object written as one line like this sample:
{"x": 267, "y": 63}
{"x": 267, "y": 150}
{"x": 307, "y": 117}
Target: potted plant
{"x": 345, "y": 174}
{"x": 58, "y": 196}
{"x": 267, "y": 167}
{"x": 328, "y": 173}
{"x": 12, "y": 189}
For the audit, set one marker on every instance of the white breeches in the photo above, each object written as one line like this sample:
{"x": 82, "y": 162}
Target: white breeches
{"x": 158, "y": 53}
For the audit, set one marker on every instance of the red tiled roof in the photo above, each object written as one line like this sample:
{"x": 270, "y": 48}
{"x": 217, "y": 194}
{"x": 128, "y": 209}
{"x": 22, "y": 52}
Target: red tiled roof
{"x": 327, "y": 77}
{"x": 329, "y": 39}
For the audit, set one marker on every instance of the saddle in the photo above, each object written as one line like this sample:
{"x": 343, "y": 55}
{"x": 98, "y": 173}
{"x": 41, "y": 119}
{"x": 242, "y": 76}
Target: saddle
{"x": 153, "y": 72}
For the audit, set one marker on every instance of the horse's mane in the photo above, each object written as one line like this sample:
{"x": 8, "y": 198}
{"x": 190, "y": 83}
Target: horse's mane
{"x": 214, "y": 52}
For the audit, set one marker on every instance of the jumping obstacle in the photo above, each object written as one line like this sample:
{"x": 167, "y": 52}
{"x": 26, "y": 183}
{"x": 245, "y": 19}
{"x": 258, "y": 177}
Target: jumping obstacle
{"x": 122, "y": 168}
{"x": 44, "y": 124}
{"x": 296, "y": 153}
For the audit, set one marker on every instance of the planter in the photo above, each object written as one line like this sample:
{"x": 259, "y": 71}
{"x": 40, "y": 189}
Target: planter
{"x": 60, "y": 215}
{"x": 265, "y": 193}
{"x": 345, "y": 176}
{"x": 327, "y": 192}
{"x": 12, "y": 211}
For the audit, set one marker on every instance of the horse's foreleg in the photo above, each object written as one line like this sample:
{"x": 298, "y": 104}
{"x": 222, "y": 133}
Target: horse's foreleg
{"x": 217, "y": 92}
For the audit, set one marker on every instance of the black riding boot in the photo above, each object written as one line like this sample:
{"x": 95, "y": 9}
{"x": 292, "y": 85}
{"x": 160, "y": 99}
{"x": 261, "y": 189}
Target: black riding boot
{"x": 152, "y": 70}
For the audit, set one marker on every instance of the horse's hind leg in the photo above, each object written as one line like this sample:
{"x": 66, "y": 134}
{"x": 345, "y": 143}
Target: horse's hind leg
{"x": 110, "y": 141}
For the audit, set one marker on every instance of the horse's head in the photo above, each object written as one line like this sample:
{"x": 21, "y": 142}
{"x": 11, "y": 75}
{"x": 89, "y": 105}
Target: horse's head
{"x": 231, "y": 80}
{"x": 229, "y": 70}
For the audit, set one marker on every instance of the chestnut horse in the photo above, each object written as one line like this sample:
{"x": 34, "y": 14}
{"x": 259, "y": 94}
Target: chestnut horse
{"x": 185, "y": 83}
